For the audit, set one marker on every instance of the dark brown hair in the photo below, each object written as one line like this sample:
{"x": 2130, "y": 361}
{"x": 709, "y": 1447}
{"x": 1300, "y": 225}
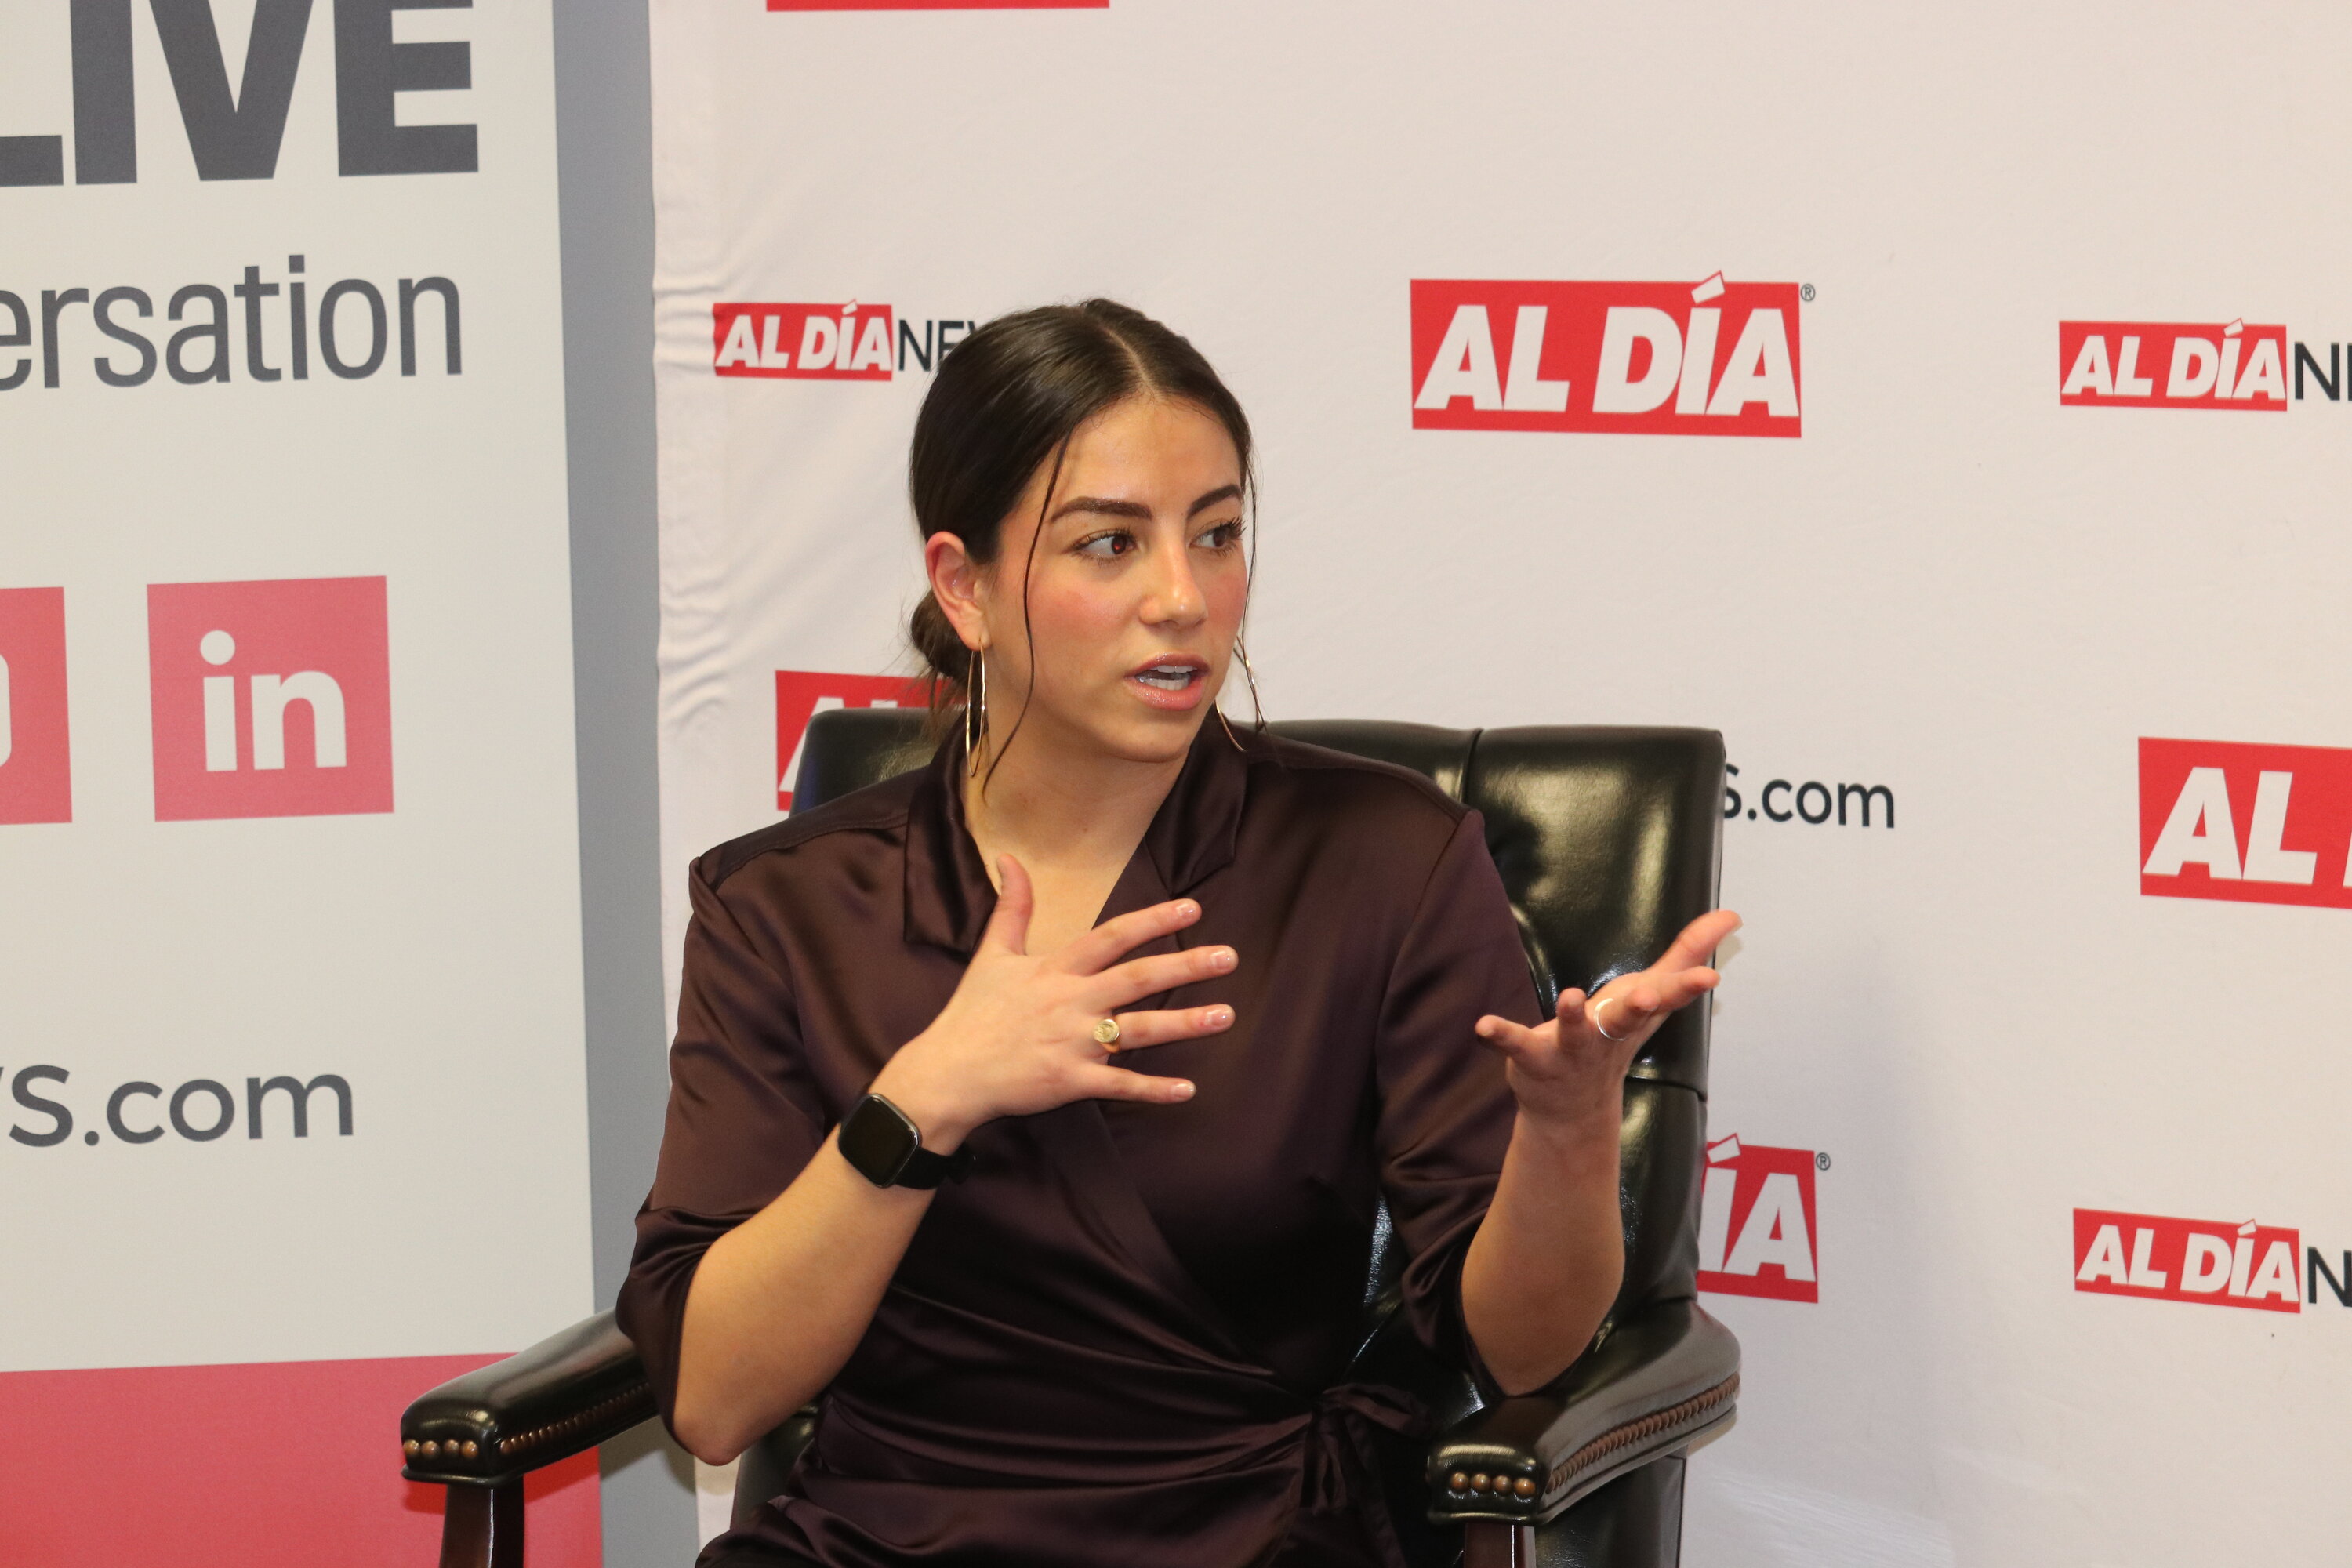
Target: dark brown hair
{"x": 1007, "y": 401}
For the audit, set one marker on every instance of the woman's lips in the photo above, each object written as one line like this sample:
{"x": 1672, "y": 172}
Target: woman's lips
{"x": 1174, "y": 685}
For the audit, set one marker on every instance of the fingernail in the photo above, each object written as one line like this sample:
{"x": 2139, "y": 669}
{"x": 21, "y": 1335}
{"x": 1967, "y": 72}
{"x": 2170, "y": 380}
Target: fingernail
{"x": 1219, "y": 1017}
{"x": 1186, "y": 909}
{"x": 1184, "y": 1091}
{"x": 1221, "y": 959}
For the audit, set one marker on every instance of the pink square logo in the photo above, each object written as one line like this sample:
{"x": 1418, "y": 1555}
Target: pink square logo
{"x": 35, "y": 770}
{"x": 269, "y": 699}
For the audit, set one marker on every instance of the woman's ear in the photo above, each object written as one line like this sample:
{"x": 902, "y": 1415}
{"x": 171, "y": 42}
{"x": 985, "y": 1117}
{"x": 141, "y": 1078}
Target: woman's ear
{"x": 956, "y": 584}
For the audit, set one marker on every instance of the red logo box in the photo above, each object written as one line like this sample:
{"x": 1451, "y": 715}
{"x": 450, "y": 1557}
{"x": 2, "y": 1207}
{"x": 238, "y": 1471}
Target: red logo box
{"x": 814, "y": 343}
{"x": 269, "y": 699}
{"x": 2218, "y": 1263}
{"x": 2259, "y": 825}
{"x": 35, "y": 762}
{"x": 1659, "y": 359}
{"x": 803, "y": 694}
{"x": 1757, "y": 1230}
{"x": 2171, "y": 365}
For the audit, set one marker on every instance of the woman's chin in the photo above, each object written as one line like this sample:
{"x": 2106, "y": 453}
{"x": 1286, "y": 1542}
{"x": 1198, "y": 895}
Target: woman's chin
{"x": 1152, "y": 734}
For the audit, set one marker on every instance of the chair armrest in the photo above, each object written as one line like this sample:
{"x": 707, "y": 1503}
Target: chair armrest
{"x": 1661, "y": 1377}
{"x": 568, "y": 1393}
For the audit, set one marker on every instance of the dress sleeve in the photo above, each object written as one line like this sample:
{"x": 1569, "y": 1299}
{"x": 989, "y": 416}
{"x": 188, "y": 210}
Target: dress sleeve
{"x": 744, "y": 1119}
{"x": 1445, "y": 1109}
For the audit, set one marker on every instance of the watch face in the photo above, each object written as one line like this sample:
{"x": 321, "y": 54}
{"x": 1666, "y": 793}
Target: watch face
{"x": 877, "y": 1140}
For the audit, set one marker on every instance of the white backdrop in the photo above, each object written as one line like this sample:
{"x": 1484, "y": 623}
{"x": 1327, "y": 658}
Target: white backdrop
{"x": 397, "y": 912}
{"x": 1964, "y": 1026}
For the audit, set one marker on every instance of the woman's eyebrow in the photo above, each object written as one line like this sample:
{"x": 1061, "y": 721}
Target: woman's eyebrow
{"x": 1106, "y": 507}
{"x": 1222, "y": 494}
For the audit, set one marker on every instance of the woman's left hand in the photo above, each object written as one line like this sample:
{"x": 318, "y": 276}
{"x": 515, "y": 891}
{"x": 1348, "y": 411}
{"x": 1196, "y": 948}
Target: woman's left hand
{"x": 1572, "y": 1069}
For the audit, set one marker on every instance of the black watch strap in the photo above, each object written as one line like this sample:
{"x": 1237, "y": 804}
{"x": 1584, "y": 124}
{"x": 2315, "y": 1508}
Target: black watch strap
{"x": 929, "y": 1168}
{"x": 885, "y": 1146}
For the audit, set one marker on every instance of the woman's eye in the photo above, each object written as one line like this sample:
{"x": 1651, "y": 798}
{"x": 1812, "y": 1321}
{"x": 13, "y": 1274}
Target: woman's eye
{"x": 1107, "y": 546}
{"x": 1224, "y": 536}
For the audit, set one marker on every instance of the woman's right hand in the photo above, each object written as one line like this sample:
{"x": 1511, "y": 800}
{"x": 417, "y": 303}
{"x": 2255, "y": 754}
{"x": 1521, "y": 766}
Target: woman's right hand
{"x": 1017, "y": 1037}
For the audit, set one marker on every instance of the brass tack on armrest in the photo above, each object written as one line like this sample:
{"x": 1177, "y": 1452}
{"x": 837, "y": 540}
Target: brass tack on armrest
{"x": 411, "y": 1447}
{"x": 1458, "y": 1482}
{"x": 1523, "y": 1487}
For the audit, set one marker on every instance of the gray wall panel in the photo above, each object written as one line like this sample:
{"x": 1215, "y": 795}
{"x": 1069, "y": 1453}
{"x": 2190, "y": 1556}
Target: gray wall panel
{"x": 603, "y": 123}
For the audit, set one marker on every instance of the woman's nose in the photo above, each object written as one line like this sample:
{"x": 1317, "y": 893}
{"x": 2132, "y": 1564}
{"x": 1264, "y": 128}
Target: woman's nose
{"x": 1176, "y": 598}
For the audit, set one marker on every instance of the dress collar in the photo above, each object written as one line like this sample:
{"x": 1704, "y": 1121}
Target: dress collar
{"x": 949, "y": 894}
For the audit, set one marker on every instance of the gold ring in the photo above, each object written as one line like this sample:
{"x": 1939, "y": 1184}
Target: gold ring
{"x": 1107, "y": 1034}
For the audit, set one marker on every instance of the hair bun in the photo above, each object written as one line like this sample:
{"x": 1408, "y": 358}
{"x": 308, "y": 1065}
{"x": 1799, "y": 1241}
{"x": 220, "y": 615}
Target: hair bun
{"x": 942, "y": 650}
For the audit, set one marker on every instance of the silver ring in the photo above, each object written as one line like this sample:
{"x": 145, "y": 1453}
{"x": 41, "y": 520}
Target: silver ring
{"x": 1601, "y": 1029}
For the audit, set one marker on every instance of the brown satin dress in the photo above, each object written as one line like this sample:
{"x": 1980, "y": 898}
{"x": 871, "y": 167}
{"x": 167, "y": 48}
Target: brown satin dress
{"x": 1122, "y": 1341}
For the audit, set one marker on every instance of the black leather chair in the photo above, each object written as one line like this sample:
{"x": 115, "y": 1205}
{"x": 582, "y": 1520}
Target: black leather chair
{"x": 1609, "y": 841}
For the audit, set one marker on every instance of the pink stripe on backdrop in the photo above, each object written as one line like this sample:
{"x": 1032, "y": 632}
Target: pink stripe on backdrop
{"x": 279, "y": 1465}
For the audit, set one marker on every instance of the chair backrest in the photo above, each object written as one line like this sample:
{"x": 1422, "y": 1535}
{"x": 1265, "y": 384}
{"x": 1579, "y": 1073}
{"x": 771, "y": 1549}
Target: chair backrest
{"x": 1609, "y": 840}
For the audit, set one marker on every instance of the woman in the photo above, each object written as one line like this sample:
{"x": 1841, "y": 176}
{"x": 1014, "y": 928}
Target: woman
{"x": 1035, "y": 1106}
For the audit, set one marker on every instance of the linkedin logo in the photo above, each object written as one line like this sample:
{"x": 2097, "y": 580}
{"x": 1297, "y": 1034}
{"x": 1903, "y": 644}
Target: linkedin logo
{"x": 269, "y": 699}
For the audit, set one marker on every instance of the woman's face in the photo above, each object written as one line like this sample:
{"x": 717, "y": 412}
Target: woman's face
{"x": 1135, "y": 580}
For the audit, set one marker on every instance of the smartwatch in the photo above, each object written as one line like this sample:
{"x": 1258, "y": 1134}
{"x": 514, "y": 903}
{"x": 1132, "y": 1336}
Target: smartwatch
{"x": 885, "y": 1147}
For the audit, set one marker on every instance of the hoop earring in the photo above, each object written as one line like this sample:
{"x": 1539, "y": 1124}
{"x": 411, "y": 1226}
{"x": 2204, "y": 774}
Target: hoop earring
{"x": 975, "y": 712}
{"x": 1241, "y": 651}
